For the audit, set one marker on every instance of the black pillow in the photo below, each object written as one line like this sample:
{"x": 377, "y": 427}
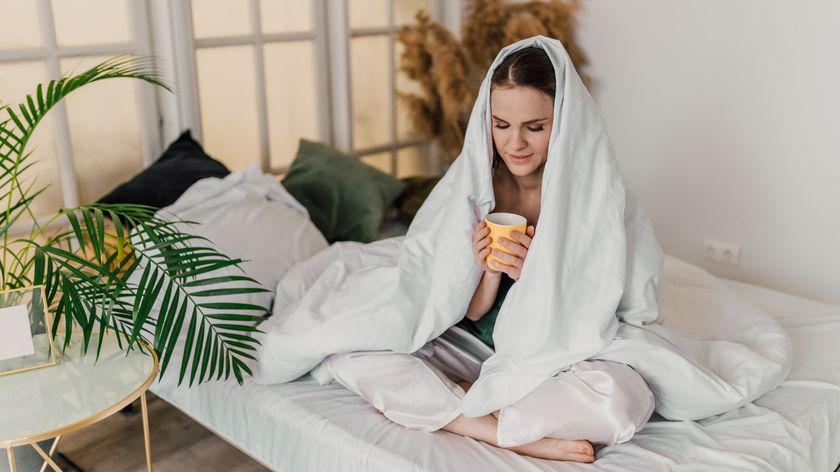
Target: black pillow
{"x": 182, "y": 164}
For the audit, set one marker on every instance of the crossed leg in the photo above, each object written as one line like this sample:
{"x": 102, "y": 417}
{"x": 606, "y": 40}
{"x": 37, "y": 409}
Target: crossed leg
{"x": 415, "y": 394}
{"x": 484, "y": 429}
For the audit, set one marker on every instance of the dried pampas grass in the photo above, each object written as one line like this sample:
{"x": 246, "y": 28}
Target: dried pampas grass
{"x": 449, "y": 73}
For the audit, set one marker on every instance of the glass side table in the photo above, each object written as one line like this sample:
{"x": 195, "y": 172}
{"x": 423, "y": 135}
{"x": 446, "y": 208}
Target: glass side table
{"x": 75, "y": 393}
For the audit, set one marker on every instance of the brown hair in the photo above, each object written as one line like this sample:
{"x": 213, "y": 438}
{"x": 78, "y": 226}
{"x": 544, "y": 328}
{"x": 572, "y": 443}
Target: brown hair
{"x": 527, "y": 67}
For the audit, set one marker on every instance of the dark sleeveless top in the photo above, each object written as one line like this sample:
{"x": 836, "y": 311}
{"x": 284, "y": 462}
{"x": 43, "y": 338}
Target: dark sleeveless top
{"x": 483, "y": 328}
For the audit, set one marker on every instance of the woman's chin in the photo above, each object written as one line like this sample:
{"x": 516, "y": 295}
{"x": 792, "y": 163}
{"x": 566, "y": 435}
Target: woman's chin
{"x": 521, "y": 169}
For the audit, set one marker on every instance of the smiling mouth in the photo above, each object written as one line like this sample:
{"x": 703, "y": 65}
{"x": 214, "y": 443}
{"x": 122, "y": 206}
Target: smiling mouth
{"x": 519, "y": 158}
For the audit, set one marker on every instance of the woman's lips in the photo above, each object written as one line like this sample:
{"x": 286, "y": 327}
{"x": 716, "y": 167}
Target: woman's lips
{"x": 519, "y": 158}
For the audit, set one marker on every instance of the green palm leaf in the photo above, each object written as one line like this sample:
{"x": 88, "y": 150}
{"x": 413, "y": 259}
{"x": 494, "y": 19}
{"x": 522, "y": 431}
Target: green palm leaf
{"x": 154, "y": 282}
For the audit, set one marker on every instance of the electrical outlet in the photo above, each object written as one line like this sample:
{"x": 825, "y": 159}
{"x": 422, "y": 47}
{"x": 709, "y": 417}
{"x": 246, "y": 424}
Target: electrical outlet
{"x": 721, "y": 252}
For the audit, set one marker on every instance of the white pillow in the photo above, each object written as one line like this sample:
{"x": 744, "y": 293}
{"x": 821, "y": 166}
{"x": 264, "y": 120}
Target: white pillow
{"x": 250, "y": 216}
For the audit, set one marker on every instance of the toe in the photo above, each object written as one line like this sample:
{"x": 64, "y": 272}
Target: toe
{"x": 585, "y": 458}
{"x": 584, "y": 447}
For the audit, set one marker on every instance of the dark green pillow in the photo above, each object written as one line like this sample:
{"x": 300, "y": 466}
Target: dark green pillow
{"x": 346, "y": 198}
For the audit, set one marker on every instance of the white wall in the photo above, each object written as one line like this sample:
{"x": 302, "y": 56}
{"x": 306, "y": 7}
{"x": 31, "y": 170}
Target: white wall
{"x": 725, "y": 117}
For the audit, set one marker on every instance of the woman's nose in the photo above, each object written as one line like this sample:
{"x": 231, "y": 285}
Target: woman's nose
{"x": 518, "y": 140}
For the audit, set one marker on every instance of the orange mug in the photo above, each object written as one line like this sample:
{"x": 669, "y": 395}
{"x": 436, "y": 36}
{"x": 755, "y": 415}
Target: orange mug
{"x": 501, "y": 225}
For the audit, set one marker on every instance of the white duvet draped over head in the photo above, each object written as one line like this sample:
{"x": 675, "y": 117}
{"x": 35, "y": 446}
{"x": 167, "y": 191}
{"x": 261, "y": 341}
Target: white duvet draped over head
{"x": 591, "y": 278}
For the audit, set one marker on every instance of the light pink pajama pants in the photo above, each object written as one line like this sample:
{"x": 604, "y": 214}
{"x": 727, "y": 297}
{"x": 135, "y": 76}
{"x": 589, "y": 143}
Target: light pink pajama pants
{"x": 600, "y": 401}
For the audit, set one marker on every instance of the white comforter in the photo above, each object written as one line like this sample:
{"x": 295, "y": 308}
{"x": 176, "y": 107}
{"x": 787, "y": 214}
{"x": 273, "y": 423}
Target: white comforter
{"x": 589, "y": 287}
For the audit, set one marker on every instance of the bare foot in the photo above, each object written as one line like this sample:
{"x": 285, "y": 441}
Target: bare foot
{"x": 558, "y": 449}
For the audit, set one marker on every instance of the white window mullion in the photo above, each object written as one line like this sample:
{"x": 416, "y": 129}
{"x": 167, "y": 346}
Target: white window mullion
{"x": 23, "y": 54}
{"x": 388, "y": 147}
{"x": 392, "y": 86}
{"x": 450, "y": 14}
{"x": 252, "y": 38}
{"x": 64, "y": 148}
{"x": 322, "y": 70}
{"x": 163, "y": 47}
{"x": 150, "y": 133}
{"x": 375, "y": 30}
{"x": 67, "y": 51}
{"x": 339, "y": 51}
{"x": 262, "y": 106}
{"x": 185, "y": 68}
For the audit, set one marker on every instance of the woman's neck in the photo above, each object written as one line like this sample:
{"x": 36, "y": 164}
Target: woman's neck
{"x": 526, "y": 184}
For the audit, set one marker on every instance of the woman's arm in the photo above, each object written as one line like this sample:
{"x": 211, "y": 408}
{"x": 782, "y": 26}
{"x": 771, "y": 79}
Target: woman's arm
{"x": 484, "y": 296}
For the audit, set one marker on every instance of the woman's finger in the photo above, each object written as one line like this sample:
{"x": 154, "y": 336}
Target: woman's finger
{"x": 506, "y": 258}
{"x": 499, "y": 266}
{"x": 481, "y": 233}
{"x": 514, "y": 247}
{"x": 521, "y": 238}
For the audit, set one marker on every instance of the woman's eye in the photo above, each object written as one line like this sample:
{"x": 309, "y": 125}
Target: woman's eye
{"x": 501, "y": 126}
{"x": 539, "y": 128}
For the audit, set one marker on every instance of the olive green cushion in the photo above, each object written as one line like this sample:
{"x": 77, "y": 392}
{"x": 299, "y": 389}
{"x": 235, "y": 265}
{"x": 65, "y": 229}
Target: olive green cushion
{"x": 346, "y": 198}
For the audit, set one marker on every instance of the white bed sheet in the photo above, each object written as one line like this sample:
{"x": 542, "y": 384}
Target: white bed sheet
{"x": 304, "y": 426}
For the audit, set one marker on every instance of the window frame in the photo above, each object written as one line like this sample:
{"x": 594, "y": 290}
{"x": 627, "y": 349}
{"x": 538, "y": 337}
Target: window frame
{"x": 51, "y": 54}
{"x": 331, "y": 35}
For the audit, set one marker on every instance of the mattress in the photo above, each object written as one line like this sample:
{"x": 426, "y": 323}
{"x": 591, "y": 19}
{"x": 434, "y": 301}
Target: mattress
{"x": 305, "y": 426}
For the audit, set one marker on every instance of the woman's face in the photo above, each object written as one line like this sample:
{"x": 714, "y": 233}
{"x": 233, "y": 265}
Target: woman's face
{"x": 522, "y": 119}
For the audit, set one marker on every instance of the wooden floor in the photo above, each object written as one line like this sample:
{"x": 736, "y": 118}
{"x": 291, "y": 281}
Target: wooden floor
{"x": 115, "y": 444}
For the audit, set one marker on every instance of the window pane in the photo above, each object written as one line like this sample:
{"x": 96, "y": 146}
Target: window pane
{"x": 21, "y": 28}
{"x": 414, "y": 161}
{"x": 291, "y": 97}
{"x": 381, "y": 161}
{"x": 371, "y": 91}
{"x": 104, "y": 120}
{"x": 281, "y": 16}
{"x": 83, "y": 22}
{"x": 16, "y": 81}
{"x": 368, "y": 13}
{"x": 227, "y": 97}
{"x": 218, "y": 18}
{"x": 405, "y": 130}
{"x": 404, "y": 10}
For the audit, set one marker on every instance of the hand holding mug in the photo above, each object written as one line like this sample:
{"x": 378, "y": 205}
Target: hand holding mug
{"x": 511, "y": 258}
{"x": 481, "y": 246}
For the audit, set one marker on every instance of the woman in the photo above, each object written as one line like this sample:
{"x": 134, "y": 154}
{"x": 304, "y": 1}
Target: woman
{"x": 597, "y": 401}
{"x": 579, "y": 306}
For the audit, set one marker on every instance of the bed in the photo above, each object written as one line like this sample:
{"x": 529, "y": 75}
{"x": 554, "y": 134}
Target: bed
{"x": 306, "y": 426}
{"x": 302, "y": 425}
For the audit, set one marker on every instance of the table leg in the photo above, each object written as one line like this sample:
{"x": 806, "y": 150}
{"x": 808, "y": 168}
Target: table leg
{"x": 53, "y": 448}
{"x": 11, "y": 455}
{"x": 146, "y": 440}
{"x": 47, "y": 459}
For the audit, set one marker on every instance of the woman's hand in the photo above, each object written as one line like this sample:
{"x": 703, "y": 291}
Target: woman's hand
{"x": 481, "y": 247}
{"x": 512, "y": 264}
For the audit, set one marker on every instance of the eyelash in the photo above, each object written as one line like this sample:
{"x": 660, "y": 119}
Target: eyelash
{"x": 498, "y": 126}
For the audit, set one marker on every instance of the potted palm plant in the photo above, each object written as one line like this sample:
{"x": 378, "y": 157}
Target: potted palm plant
{"x": 120, "y": 269}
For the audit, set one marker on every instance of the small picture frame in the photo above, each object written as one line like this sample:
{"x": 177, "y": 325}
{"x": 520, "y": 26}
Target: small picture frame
{"x": 25, "y": 323}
